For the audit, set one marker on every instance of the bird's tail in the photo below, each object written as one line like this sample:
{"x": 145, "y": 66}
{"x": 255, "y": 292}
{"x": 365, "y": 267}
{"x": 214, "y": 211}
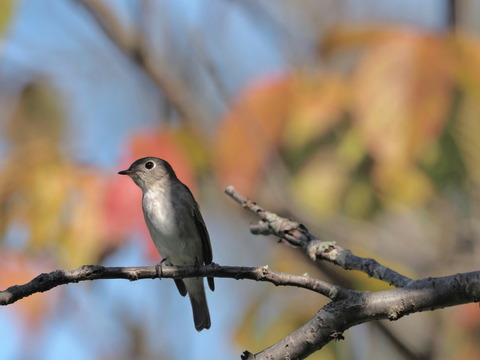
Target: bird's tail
{"x": 198, "y": 299}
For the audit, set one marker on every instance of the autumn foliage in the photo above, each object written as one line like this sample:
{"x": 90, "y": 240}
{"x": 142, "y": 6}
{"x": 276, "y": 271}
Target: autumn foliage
{"x": 373, "y": 134}
{"x": 395, "y": 125}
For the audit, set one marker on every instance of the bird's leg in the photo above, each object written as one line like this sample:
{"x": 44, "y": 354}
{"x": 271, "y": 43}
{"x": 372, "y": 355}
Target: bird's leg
{"x": 159, "y": 267}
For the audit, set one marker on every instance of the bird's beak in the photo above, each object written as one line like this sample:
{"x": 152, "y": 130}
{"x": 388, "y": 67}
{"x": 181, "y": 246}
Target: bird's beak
{"x": 126, "y": 172}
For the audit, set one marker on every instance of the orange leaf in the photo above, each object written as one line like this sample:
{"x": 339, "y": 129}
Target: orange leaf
{"x": 348, "y": 38}
{"x": 401, "y": 95}
{"x": 251, "y": 131}
{"x": 19, "y": 269}
{"x": 317, "y": 105}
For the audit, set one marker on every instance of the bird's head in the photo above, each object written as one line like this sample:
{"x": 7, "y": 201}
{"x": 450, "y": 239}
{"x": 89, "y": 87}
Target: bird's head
{"x": 149, "y": 171}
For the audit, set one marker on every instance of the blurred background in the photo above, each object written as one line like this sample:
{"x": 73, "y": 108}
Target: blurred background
{"x": 359, "y": 119}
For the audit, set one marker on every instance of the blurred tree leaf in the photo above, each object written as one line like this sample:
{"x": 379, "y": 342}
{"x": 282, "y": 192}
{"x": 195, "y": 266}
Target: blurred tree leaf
{"x": 467, "y": 54}
{"x": 343, "y": 38}
{"x": 402, "y": 91}
{"x": 382, "y": 124}
{"x": 6, "y": 10}
{"x": 42, "y": 191}
{"x": 34, "y": 183}
{"x": 466, "y": 129}
{"x": 319, "y": 185}
{"x": 251, "y": 131}
{"x": 467, "y": 134}
{"x": 316, "y": 106}
{"x": 18, "y": 268}
{"x": 82, "y": 240}
{"x": 38, "y": 117}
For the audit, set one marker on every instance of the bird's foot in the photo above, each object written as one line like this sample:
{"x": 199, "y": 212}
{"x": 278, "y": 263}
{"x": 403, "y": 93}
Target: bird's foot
{"x": 159, "y": 268}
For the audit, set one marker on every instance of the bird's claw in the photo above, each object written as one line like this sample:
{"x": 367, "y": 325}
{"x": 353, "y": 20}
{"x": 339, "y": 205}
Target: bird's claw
{"x": 159, "y": 268}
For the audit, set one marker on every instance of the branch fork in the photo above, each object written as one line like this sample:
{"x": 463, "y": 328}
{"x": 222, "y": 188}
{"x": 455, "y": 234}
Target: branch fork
{"x": 347, "y": 307}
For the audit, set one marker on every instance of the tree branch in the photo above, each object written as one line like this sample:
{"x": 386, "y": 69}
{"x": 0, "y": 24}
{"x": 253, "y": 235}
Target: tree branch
{"x": 358, "y": 307}
{"x": 347, "y": 308}
{"x": 334, "y": 318}
{"x": 45, "y": 282}
{"x": 170, "y": 86}
{"x": 298, "y": 235}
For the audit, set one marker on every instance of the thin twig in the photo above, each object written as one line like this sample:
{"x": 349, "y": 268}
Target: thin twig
{"x": 298, "y": 235}
{"x": 169, "y": 87}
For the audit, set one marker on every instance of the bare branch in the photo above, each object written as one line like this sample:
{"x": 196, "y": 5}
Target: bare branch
{"x": 347, "y": 308}
{"x": 170, "y": 87}
{"x": 360, "y": 307}
{"x": 298, "y": 235}
{"x": 110, "y": 25}
{"x": 45, "y": 282}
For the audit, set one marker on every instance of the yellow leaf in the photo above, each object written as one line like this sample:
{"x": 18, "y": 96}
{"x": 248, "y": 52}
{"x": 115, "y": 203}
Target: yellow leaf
{"x": 79, "y": 243}
{"x": 358, "y": 199}
{"x": 467, "y": 51}
{"x": 6, "y": 10}
{"x": 320, "y": 184}
{"x": 402, "y": 92}
{"x": 402, "y": 185}
{"x": 347, "y": 38}
{"x": 317, "y": 105}
{"x": 351, "y": 150}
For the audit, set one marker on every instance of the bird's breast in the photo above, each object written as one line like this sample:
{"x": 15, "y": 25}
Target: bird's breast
{"x": 160, "y": 219}
{"x": 172, "y": 230}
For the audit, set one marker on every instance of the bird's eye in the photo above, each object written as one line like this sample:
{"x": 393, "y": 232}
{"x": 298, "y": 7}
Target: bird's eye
{"x": 149, "y": 165}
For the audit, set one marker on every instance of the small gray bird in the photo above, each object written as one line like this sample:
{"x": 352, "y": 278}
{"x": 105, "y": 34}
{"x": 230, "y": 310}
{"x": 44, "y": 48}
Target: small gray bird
{"x": 176, "y": 227}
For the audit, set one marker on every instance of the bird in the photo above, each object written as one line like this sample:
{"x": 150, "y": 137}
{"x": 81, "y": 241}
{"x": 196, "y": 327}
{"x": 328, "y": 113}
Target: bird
{"x": 176, "y": 227}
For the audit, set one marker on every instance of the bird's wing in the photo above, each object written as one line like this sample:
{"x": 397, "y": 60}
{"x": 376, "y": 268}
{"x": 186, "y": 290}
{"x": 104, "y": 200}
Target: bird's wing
{"x": 203, "y": 232}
